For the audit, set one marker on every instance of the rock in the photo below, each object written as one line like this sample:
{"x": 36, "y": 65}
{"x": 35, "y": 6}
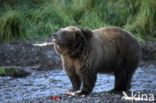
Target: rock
{"x": 149, "y": 50}
{"x": 13, "y": 72}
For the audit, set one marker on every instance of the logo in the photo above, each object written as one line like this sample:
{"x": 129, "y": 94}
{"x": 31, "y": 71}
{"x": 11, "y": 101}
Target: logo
{"x": 138, "y": 97}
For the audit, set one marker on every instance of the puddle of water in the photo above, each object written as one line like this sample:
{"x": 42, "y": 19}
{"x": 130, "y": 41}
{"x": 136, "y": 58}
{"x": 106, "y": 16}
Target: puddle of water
{"x": 48, "y": 83}
{"x": 144, "y": 79}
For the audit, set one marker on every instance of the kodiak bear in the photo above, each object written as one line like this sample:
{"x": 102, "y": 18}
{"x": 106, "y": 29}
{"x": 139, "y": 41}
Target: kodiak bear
{"x": 86, "y": 52}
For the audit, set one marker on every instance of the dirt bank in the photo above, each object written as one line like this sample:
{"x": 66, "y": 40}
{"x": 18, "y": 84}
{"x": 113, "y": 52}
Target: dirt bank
{"x": 24, "y": 53}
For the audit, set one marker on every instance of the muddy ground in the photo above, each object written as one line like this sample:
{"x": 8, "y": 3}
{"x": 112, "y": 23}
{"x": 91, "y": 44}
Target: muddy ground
{"x": 47, "y": 78}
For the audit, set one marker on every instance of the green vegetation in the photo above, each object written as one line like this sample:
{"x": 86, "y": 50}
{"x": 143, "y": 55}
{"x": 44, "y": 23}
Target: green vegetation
{"x": 26, "y": 19}
{"x": 7, "y": 72}
{"x": 13, "y": 72}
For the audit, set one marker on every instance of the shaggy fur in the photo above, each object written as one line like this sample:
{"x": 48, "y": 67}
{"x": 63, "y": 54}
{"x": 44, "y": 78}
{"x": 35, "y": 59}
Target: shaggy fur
{"x": 86, "y": 52}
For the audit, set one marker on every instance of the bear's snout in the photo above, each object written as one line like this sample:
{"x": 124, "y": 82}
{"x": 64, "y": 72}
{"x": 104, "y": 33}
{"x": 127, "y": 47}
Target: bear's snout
{"x": 54, "y": 38}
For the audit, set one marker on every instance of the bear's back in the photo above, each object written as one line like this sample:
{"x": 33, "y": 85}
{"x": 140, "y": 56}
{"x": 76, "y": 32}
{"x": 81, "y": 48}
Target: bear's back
{"x": 117, "y": 47}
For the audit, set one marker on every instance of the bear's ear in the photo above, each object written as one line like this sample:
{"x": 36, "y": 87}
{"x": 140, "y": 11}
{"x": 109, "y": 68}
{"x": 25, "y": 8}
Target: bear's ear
{"x": 87, "y": 32}
{"x": 77, "y": 34}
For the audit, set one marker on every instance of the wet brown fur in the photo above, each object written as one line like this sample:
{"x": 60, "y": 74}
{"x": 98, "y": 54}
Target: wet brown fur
{"x": 105, "y": 50}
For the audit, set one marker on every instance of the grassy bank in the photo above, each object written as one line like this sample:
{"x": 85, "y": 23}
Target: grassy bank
{"x": 26, "y": 19}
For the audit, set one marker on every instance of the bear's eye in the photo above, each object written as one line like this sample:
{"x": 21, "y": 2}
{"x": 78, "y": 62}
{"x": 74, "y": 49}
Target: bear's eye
{"x": 64, "y": 32}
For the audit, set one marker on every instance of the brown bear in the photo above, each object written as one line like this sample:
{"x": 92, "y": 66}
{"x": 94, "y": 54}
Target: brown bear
{"x": 86, "y": 52}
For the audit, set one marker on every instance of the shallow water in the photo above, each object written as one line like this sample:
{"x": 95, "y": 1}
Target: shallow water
{"x": 48, "y": 83}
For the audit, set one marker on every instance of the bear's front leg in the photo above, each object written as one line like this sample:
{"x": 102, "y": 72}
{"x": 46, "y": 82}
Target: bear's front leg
{"x": 89, "y": 78}
{"x": 74, "y": 78}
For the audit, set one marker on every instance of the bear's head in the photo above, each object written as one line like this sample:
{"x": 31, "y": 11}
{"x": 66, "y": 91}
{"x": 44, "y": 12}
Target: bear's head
{"x": 70, "y": 39}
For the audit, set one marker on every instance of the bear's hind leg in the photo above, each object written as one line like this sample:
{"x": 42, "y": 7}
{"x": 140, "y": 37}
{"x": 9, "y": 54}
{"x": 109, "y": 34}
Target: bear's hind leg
{"x": 122, "y": 80}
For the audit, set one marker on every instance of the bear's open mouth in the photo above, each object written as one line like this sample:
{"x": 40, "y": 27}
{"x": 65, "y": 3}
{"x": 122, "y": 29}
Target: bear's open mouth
{"x": 54, "y": 41}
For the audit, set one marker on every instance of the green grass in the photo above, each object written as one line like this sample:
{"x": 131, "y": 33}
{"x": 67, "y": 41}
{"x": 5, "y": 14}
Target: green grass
{"x": 11, "y": 26}
{"x": 8, "y": 72}
{"x": 13, "y": 72}
{"x": 26, "y": 19}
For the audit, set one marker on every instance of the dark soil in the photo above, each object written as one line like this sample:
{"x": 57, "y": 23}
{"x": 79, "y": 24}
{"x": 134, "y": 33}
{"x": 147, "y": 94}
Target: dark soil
{"x": 24, "y": 53}
{"x": 21, "y": 53}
